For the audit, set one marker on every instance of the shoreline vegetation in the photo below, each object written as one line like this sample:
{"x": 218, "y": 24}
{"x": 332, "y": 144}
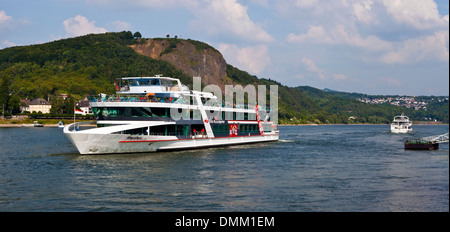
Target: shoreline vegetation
{"x": 46, "y": 122}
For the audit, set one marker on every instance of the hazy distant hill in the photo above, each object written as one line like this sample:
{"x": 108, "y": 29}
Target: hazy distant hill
{"x": 335, "y": 102}
{"x": 89, "y": 65}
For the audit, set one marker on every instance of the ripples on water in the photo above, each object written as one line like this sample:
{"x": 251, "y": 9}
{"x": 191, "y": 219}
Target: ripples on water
{"x": 311, "y": 168}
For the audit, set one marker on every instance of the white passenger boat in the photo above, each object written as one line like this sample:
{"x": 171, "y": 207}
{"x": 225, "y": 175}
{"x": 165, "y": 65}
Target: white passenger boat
{"x": 401, "y": 124}
{"x": 150, "y": 114}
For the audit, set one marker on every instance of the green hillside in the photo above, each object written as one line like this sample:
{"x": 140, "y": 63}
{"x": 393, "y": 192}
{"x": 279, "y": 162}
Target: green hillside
{"x": 79, "y": 66}
{"x": 89, "y": 65}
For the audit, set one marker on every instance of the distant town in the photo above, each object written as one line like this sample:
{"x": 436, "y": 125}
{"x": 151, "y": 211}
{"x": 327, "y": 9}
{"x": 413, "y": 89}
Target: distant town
{"x": 416, "y": 103}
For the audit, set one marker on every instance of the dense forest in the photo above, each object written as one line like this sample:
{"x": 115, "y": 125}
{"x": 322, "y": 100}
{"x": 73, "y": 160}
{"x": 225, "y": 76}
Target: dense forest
{"x": 90, "y": 64}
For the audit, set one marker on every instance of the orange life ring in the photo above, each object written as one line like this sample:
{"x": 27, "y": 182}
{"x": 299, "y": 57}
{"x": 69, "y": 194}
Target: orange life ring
{"x": 117, "y": 87}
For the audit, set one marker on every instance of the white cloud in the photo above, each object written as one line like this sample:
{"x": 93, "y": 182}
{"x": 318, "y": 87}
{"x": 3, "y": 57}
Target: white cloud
{"x": 252, "y": 59}
{"x": 315, "y": 34}
{"x": 120, "y": 25}
{"x": 345, "y": 22}
{"x": 363, "y": 11}
{"x": 381, "y": 27}
{"x": 140, "y": 3}
{"x": 433, "y": 47}
{"x": 369, "y": 24}
{"x": 4, "y": 19}
{"x": 80, "y": 25}
{"x": 311, "y": 66}
{"x": 226, "y": 17}
{"x": 264, "y": 3}
{"x": 306, "y": 3}
{"x": 339, "y": 35}
{"x": 420, "y": 14}
{"x": 213, "y": 17}
{"x": 8, "y": 43}
{"x": 322, "y": 74}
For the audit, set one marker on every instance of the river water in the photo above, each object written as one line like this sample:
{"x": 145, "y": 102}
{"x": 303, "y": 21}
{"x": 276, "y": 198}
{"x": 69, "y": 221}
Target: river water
{"x": 311, "y": 169}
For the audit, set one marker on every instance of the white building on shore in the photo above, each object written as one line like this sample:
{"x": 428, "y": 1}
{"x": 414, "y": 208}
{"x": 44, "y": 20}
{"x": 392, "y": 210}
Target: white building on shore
{"x": 39, "y": 105}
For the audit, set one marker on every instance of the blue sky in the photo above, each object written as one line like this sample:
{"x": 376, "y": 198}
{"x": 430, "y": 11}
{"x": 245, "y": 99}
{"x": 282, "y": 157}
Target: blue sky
{"x": 365, "y": 46}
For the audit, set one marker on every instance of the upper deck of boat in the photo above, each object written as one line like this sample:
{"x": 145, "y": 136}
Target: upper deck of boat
{"x": 144, "y": 85}
{"x": 400, "y": 118}
{"x": 159, "y": 89}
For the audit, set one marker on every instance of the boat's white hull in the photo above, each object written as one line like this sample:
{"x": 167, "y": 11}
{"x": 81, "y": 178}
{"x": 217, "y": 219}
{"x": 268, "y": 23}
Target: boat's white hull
{"x": 400, "y": 130}
{"x": 120, "y": 143}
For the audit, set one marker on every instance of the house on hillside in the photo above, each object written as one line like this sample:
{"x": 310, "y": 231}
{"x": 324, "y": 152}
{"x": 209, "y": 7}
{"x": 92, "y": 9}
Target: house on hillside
{"x": 84, "y": 106}
{"x": 25, "y": 105}
{"x": 39, "y": 105}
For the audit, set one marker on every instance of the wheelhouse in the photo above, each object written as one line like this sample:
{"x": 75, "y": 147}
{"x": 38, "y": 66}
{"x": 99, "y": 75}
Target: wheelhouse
{"x": 144, "y": 85}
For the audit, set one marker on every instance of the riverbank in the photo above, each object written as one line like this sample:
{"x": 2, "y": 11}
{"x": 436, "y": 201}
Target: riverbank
{"x": 25, "y": 125}
{"x": 5, "y": 123}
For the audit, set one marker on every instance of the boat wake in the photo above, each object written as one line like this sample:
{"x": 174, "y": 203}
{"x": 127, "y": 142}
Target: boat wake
{"x": 286, "y": 141}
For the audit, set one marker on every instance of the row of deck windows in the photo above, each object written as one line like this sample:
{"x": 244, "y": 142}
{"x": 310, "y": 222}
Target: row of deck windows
{"x": 164, "y": 130}
{"x": 184, "y": 131}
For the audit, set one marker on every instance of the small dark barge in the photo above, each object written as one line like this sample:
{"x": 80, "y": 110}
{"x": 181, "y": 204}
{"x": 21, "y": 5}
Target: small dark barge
{"x": 426, "y": 143}
{"x": 419, "y": 144}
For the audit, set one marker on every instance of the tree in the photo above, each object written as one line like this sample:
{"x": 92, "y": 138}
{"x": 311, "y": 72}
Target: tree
{"x": 137, "y": 35}
{"x": 4, "y": 93}
{"x": 128, "y": 35}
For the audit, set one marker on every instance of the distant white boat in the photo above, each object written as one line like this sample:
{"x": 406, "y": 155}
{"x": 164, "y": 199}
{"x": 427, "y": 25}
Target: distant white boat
{"x": 35, "y": 124}
{"x": 401, "y": 124}
{"x": 60, "y": 124}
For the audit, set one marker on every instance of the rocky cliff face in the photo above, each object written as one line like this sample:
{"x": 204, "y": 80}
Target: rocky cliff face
{"x": 192, "y": 57}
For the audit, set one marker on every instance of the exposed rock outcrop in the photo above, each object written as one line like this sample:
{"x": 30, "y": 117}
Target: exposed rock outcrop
{"x": 192, "y": 57}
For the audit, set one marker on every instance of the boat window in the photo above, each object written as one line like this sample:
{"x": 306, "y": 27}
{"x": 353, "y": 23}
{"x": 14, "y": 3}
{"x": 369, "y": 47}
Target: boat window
{"x": 144, "y": 82}
{"x": 155, "y": 82}
{"x": 220, "y": 130}
{"x": 133, "y": 82}
{"x": 248, "y": 129}
{"x": 181, "y": 131}
{"x": 168, "y": 83}
{"x": 116, "y": 112}
{"x": 229, "y": 115}
{"x": 139, "y": 82}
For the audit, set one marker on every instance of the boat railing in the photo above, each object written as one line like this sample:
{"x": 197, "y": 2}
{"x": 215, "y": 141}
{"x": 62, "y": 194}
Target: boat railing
{"x": 76, "y": 126}
{"x": 218, "y": 103}
{"x": 437, "y": 138}
{"x": 135, "y": 98}
{"x": 430, "y": 139}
